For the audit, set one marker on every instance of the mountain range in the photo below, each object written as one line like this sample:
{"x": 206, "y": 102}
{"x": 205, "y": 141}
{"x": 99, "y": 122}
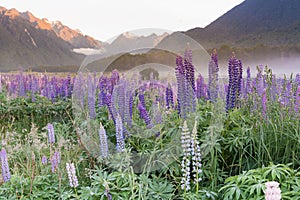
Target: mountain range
{"x": 255, "y": 29}
{"x": 267, "y": 22}
{"x": 30, "y": 42}
{"x": 260, "y": 32}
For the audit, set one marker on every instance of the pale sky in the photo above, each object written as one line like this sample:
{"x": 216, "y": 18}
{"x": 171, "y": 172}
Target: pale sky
{"x": 106, "y": 19}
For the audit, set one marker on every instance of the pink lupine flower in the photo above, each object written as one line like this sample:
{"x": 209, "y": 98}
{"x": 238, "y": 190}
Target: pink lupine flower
{"x": 272, "y": 191}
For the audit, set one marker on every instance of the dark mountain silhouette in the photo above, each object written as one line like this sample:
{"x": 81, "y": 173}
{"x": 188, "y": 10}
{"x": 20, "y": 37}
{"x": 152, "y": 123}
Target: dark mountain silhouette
{"x": 266, "y": 22}
{"x": 26, "y": 43}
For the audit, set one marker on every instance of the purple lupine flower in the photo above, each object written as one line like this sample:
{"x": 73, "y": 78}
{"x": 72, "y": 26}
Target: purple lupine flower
{"x": 118, "y": 99}
{"x": 230, "y": 85}
{"x": 239, "y": 78}
{"x": 107, "y": 194}
{"x": 54, "y": 88}
{"x": 0, "y": 83}
{"x": 68, "y": 86}
{"x": 200, "y": 89}
{"x": 73, "y": 181}
{"x": 186, "y": 98}
{"x": 273, "y": 89}
{"x": 169, "y": 97}
{"x": 119, "y": 135}
{"x": 22, "y": 91}
{"x": 188, "y": 54}
{"x": 117, "y": 104}
{"x": 44, "y": 160}
{"x": 156, "y": 113}
{"x": 189, "y": 85}
{"x": 33, "y": 88}
{"x": 234, "y": 87}
{"x": 110, "y": 107}
{"x": 101, "y": 98}
{"x": 248, "y": 82}
{"x": 80, "y": 90}
{"x": 264, "y": 104}
{"x": 4, "y": 165}
{"x": 128, "y": 108}
{"x": 181, "y": 96}
{"x": 287, "y": 92}
{"x": 114, "y": 79}
{"x": 91, "y": 98}
{"x": 259, "y": 82}
{"x": 213, "y": 70}
{"x": 190, "y": 74}
{"x": 130, "y": 104}
{"x": 55, "y": 160}
{"x": 51, "y": 135}
{"x": 145, "y": 116}
{"x": 103, "y": 142}
{"x": 142, "y": 98}
{"x": 102, "y": 85}
{"x": 297, "y": 99}
{"x": 297, "y": 79}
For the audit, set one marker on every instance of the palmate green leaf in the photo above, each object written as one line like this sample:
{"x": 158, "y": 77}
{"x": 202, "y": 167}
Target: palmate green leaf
{"x": 257, "y": 189}
{"x": 277, "y": 172}
{"x": 161, "y": 189}
{"x": 290, "y": 196}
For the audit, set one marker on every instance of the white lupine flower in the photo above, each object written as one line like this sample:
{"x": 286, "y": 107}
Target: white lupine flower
{"x": 119, "y": 134}
{"x": 191, "y": 150}
{"x": 72, "y": 175}
{"x": 185, "y": 164}
{"x": 196, "y": 155}
{"x": 103, "y": 142}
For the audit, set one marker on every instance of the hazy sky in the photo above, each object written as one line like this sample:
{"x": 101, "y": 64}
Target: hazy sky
{"x": 105, "y": 19}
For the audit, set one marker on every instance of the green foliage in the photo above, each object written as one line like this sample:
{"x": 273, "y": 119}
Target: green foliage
{"x": 251, "y": 184}
{"x": 235, "y": 149}
{"x": 21, "y": 113}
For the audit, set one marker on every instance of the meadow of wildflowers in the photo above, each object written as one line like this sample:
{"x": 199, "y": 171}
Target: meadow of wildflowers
{"x": 96, "y": 136}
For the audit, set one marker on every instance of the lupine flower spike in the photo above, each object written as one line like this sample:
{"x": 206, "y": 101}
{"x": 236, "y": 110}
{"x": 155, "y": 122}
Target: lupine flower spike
{"x": 119, "y": 134}
{"x": 103, "y": 142}
{"x": 4, "y": 165}
{"x": 185, "y": 164}
{"x": 51, "y": 135}
{"x": 72, "y": 175}
{"x": 196, "y": 156}
{"x": 44, "y": 160}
